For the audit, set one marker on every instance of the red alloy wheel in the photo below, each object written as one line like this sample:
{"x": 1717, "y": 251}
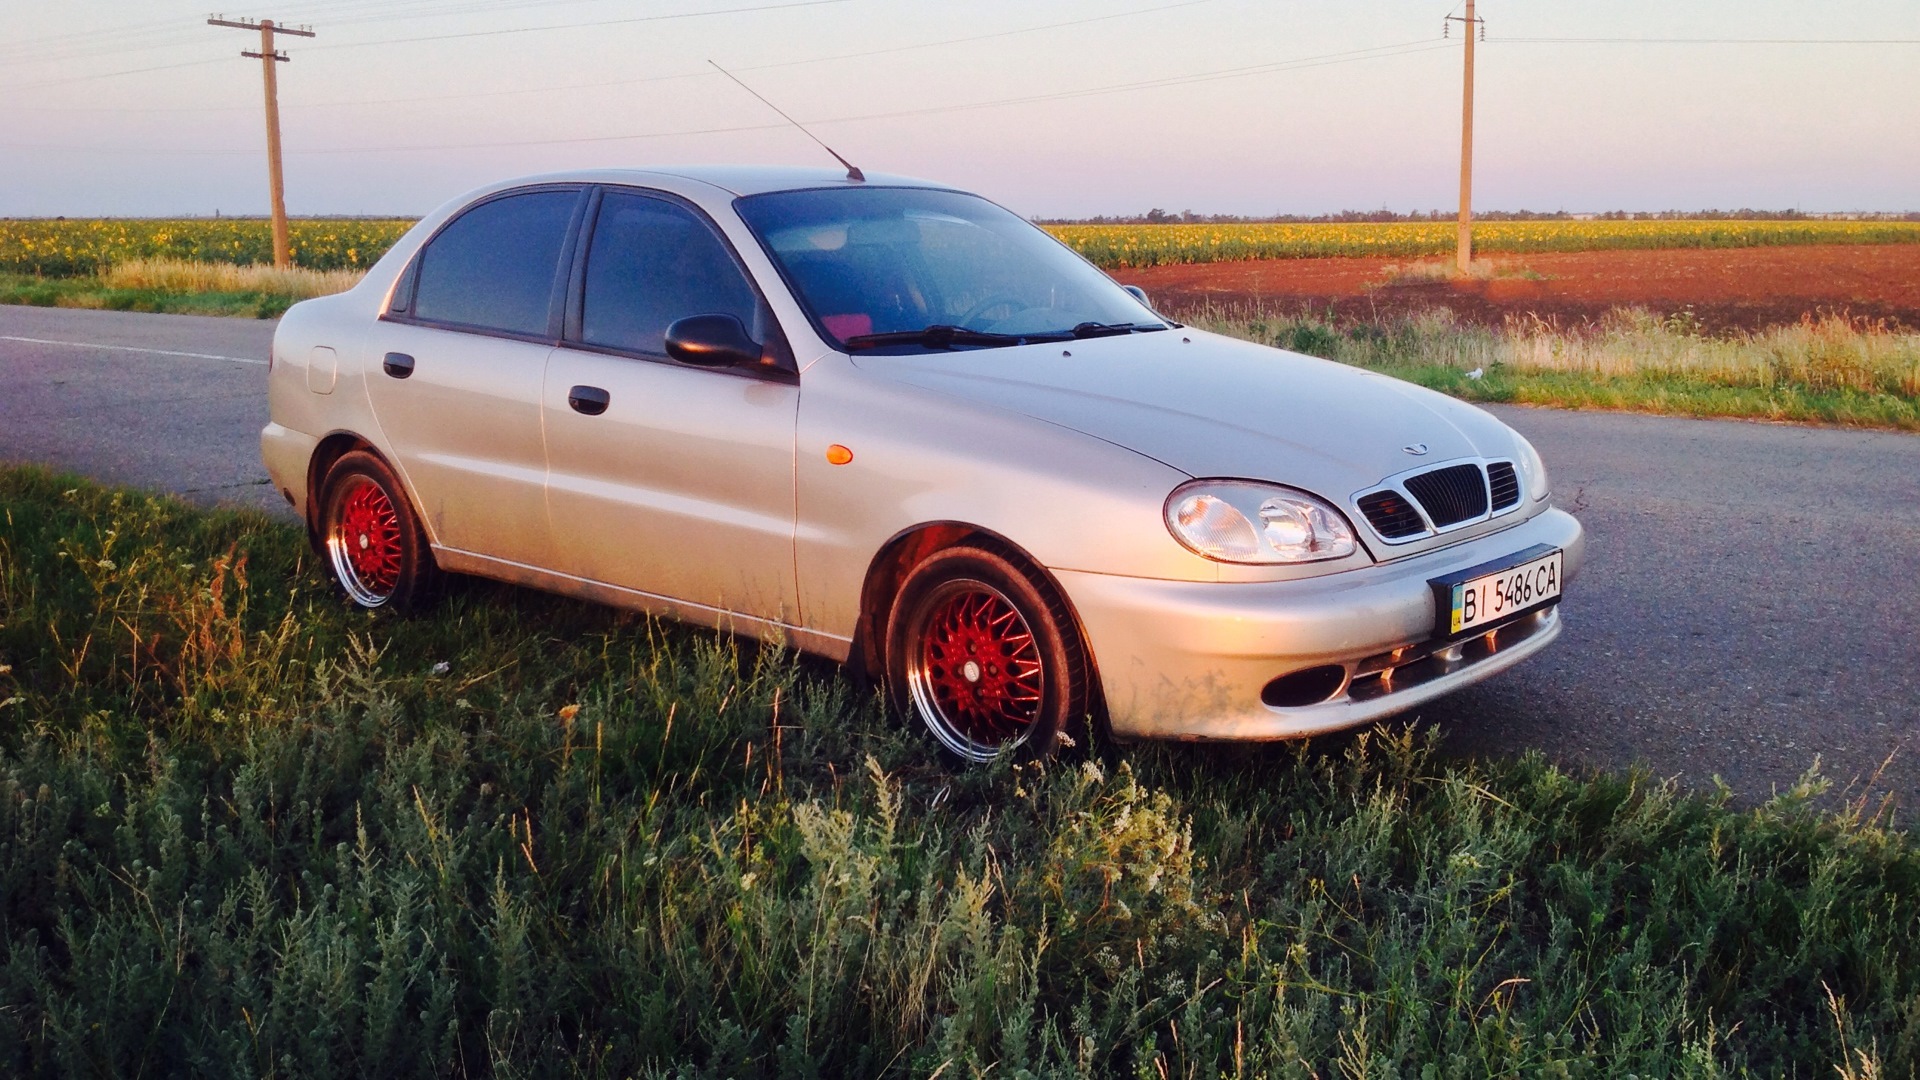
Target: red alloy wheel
{"x": 366, "y": 541}
{"x": 981, "y": 667}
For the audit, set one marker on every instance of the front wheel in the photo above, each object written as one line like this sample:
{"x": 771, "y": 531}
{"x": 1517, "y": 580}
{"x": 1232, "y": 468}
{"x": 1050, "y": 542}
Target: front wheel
{"x": 986, "y": 656}
{"x": 373, "y": 541}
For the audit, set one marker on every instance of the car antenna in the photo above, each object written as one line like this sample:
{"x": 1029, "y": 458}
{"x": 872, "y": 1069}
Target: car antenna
{"x": 853, "y": 171}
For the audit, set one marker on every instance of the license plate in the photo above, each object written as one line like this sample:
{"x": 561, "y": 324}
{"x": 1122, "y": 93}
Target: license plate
{"x": 1481, "y": 595}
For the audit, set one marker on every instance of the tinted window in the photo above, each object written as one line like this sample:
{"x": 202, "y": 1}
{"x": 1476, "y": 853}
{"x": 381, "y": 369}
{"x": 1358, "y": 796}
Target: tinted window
{"x": 494, "y": 266}
{"x": 897, "y": 260}
{"x": 653, "y": 262}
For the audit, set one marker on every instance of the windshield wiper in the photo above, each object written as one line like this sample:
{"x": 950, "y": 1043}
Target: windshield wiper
{"x": 942, "y": 336}
{"x": 1100, "y": 329}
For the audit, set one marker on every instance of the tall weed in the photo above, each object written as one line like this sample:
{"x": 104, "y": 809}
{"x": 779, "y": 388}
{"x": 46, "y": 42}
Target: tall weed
{"x": 529, "y": 837}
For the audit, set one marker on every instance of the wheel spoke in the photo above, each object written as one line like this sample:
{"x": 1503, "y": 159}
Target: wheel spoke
{"x": 980, "y": 667}
{"x": 365, "y": 541}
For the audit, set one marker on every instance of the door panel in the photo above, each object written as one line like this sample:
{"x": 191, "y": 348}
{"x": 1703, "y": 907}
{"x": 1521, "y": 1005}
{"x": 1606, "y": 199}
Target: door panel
{"x": 459, "y": 402}
{"x": 664, "y": 478}
{"x": 464, "y": 426}
{"x": 681, "y": 487}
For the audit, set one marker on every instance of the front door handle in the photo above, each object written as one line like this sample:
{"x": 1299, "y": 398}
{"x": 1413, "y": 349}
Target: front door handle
{"x": 590, "y": 400}
{"x": 397, "y": 364}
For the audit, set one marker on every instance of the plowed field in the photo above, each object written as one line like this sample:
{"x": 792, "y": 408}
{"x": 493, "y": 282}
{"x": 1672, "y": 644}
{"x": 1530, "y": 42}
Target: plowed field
{"x": 1746, "y": 288}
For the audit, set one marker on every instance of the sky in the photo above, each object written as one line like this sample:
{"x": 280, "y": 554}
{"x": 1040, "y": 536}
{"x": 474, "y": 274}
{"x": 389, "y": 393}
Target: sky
{"x": 1068, "y": 108}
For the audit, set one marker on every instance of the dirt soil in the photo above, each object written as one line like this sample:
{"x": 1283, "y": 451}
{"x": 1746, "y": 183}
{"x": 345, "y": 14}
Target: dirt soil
{"x": 1729, "y": 288}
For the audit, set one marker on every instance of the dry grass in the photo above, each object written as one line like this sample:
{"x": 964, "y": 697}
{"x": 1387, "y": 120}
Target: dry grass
{"x": 1831, "y": 352}
{"x": 182, "y": 276}
{"x": 1432, "y": 270}
{"x": 1831, "y": 369}
{"x": 1826, "y": 353}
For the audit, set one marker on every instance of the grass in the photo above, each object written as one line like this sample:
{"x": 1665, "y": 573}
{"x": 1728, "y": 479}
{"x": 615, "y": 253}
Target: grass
{"x": 81, "y": 246}
{"x": 180, "y": 287}
{"x": 1430, "y": 271}
{"x": 247, "y": 831}
{"x": 1831, "y": 370}
{"x": 180, "y": 275}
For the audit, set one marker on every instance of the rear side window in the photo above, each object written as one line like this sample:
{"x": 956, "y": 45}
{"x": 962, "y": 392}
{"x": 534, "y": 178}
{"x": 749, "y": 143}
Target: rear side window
{"x": 494, "y": 267}
{"x": 653, "y": 262}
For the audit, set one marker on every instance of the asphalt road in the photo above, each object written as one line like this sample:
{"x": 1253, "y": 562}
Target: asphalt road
{"x": 1749, "y": 601}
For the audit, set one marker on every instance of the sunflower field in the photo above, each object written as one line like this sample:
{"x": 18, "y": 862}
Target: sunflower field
{"x": 1133, "y": 246}
{"x": 67, "y": 248}
{"x": 80, "y": 246}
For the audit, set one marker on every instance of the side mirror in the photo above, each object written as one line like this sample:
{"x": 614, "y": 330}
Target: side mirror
{"x": 712, "y": 341}
{"x": 1139, "y": 294}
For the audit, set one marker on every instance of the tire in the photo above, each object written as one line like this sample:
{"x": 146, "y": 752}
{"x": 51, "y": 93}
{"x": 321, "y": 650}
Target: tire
{"x": 984, "y": 653}
{"x": 372, "y": 539}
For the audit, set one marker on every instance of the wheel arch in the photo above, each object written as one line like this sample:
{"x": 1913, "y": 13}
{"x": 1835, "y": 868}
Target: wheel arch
{"x": 906, "y": 550}
{"x": 330, "y": 449}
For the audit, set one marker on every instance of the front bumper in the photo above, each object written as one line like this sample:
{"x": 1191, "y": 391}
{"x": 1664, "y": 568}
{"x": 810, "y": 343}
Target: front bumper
{"x": 1188, "y": 660}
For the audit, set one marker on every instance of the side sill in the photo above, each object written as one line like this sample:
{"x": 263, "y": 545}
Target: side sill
{"x": 831, "y": 646}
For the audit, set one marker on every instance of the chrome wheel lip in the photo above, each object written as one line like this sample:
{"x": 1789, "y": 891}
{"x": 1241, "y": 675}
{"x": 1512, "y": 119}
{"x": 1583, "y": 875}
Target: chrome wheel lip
{"x": 338, "y": 552}
{"x": 920, "y": 679}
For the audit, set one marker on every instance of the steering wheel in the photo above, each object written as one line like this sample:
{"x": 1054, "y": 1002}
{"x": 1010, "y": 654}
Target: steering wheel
{"x": 1010, "y": 301}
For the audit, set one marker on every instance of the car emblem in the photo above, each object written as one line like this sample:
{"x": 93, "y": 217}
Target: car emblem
{"x": 1417, "y": 449}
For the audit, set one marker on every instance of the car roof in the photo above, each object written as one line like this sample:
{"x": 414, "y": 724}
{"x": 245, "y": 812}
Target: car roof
{"x": 735, "y": 179}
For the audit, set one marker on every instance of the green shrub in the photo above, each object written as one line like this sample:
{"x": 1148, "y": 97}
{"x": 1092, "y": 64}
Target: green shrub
{"x": 247, "y": 831}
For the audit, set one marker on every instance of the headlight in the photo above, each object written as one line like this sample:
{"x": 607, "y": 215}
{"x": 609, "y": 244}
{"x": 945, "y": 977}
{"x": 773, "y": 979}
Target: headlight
{"x": 1241, "y": 521}
{"x": 1533, "y": 471}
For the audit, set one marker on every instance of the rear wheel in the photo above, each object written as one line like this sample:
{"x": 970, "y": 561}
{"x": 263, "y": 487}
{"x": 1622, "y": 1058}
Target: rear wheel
{"x": 372, "y": 538}
{"x": 983, "y": 652}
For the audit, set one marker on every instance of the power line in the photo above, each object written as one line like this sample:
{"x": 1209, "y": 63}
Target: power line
{"x": 582, "y": 25}
{"x": 1380, "y": 52}
{"x": 606, "y": 83}
{"x": 1325, "y": 60}
{"x": 1700, "y": 41}
{"x": 449, "y": 37}
{"x": 114, "y": 74}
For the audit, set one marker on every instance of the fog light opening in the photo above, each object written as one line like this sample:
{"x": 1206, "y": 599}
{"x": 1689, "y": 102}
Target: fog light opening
{"x": 1303, "y": 688}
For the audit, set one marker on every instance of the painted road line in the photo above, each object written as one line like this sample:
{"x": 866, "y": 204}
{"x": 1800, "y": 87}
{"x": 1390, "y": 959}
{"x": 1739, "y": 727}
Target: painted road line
{"x": 134, "y": 349}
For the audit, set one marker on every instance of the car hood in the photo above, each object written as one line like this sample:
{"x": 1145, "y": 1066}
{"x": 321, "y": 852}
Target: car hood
{"x": 1213, "y": 406}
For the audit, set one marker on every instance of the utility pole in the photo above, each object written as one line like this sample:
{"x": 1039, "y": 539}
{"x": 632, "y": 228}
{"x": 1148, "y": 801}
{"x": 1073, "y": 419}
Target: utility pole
{"x": 269, "y": 56}
{"x": 1463, "y": 251}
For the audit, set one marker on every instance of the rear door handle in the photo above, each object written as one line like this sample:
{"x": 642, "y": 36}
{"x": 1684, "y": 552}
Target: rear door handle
{"x": 590, "y": 400}
{"x": 397, "y": 364}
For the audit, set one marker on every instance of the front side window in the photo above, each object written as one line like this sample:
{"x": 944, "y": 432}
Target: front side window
{"x": 494, "y": 267}
{"x": 911, "y": 269}
{"x": 651, "y": 263}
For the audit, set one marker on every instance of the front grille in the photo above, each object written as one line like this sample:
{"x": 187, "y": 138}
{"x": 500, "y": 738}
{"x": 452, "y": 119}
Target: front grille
{"x": 1450, "y": 495}
{"x": 1391, "y": 516}
{"x": 1505, "y": 483}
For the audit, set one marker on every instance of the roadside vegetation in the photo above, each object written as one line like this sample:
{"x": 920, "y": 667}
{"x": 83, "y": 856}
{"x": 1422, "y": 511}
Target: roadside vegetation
{"x": 1135, "y": 246}
{"x": 180, "y": 287}
{"x": 82, "y": 247}
{"x": 66, "y": 248}
{"x": 1432, "y": 271}
{"x": 247, "y": 831}
{"x": 1831, "y": 369}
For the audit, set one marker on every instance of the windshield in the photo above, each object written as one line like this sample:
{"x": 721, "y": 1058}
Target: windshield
{"x": 905, "y": 270}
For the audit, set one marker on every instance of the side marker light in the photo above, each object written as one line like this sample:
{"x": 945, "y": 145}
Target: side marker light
{"x": 838, "y": 455}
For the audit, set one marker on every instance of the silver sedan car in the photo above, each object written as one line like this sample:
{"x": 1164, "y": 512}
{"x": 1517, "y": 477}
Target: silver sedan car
{"x": 894, "y": 424}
